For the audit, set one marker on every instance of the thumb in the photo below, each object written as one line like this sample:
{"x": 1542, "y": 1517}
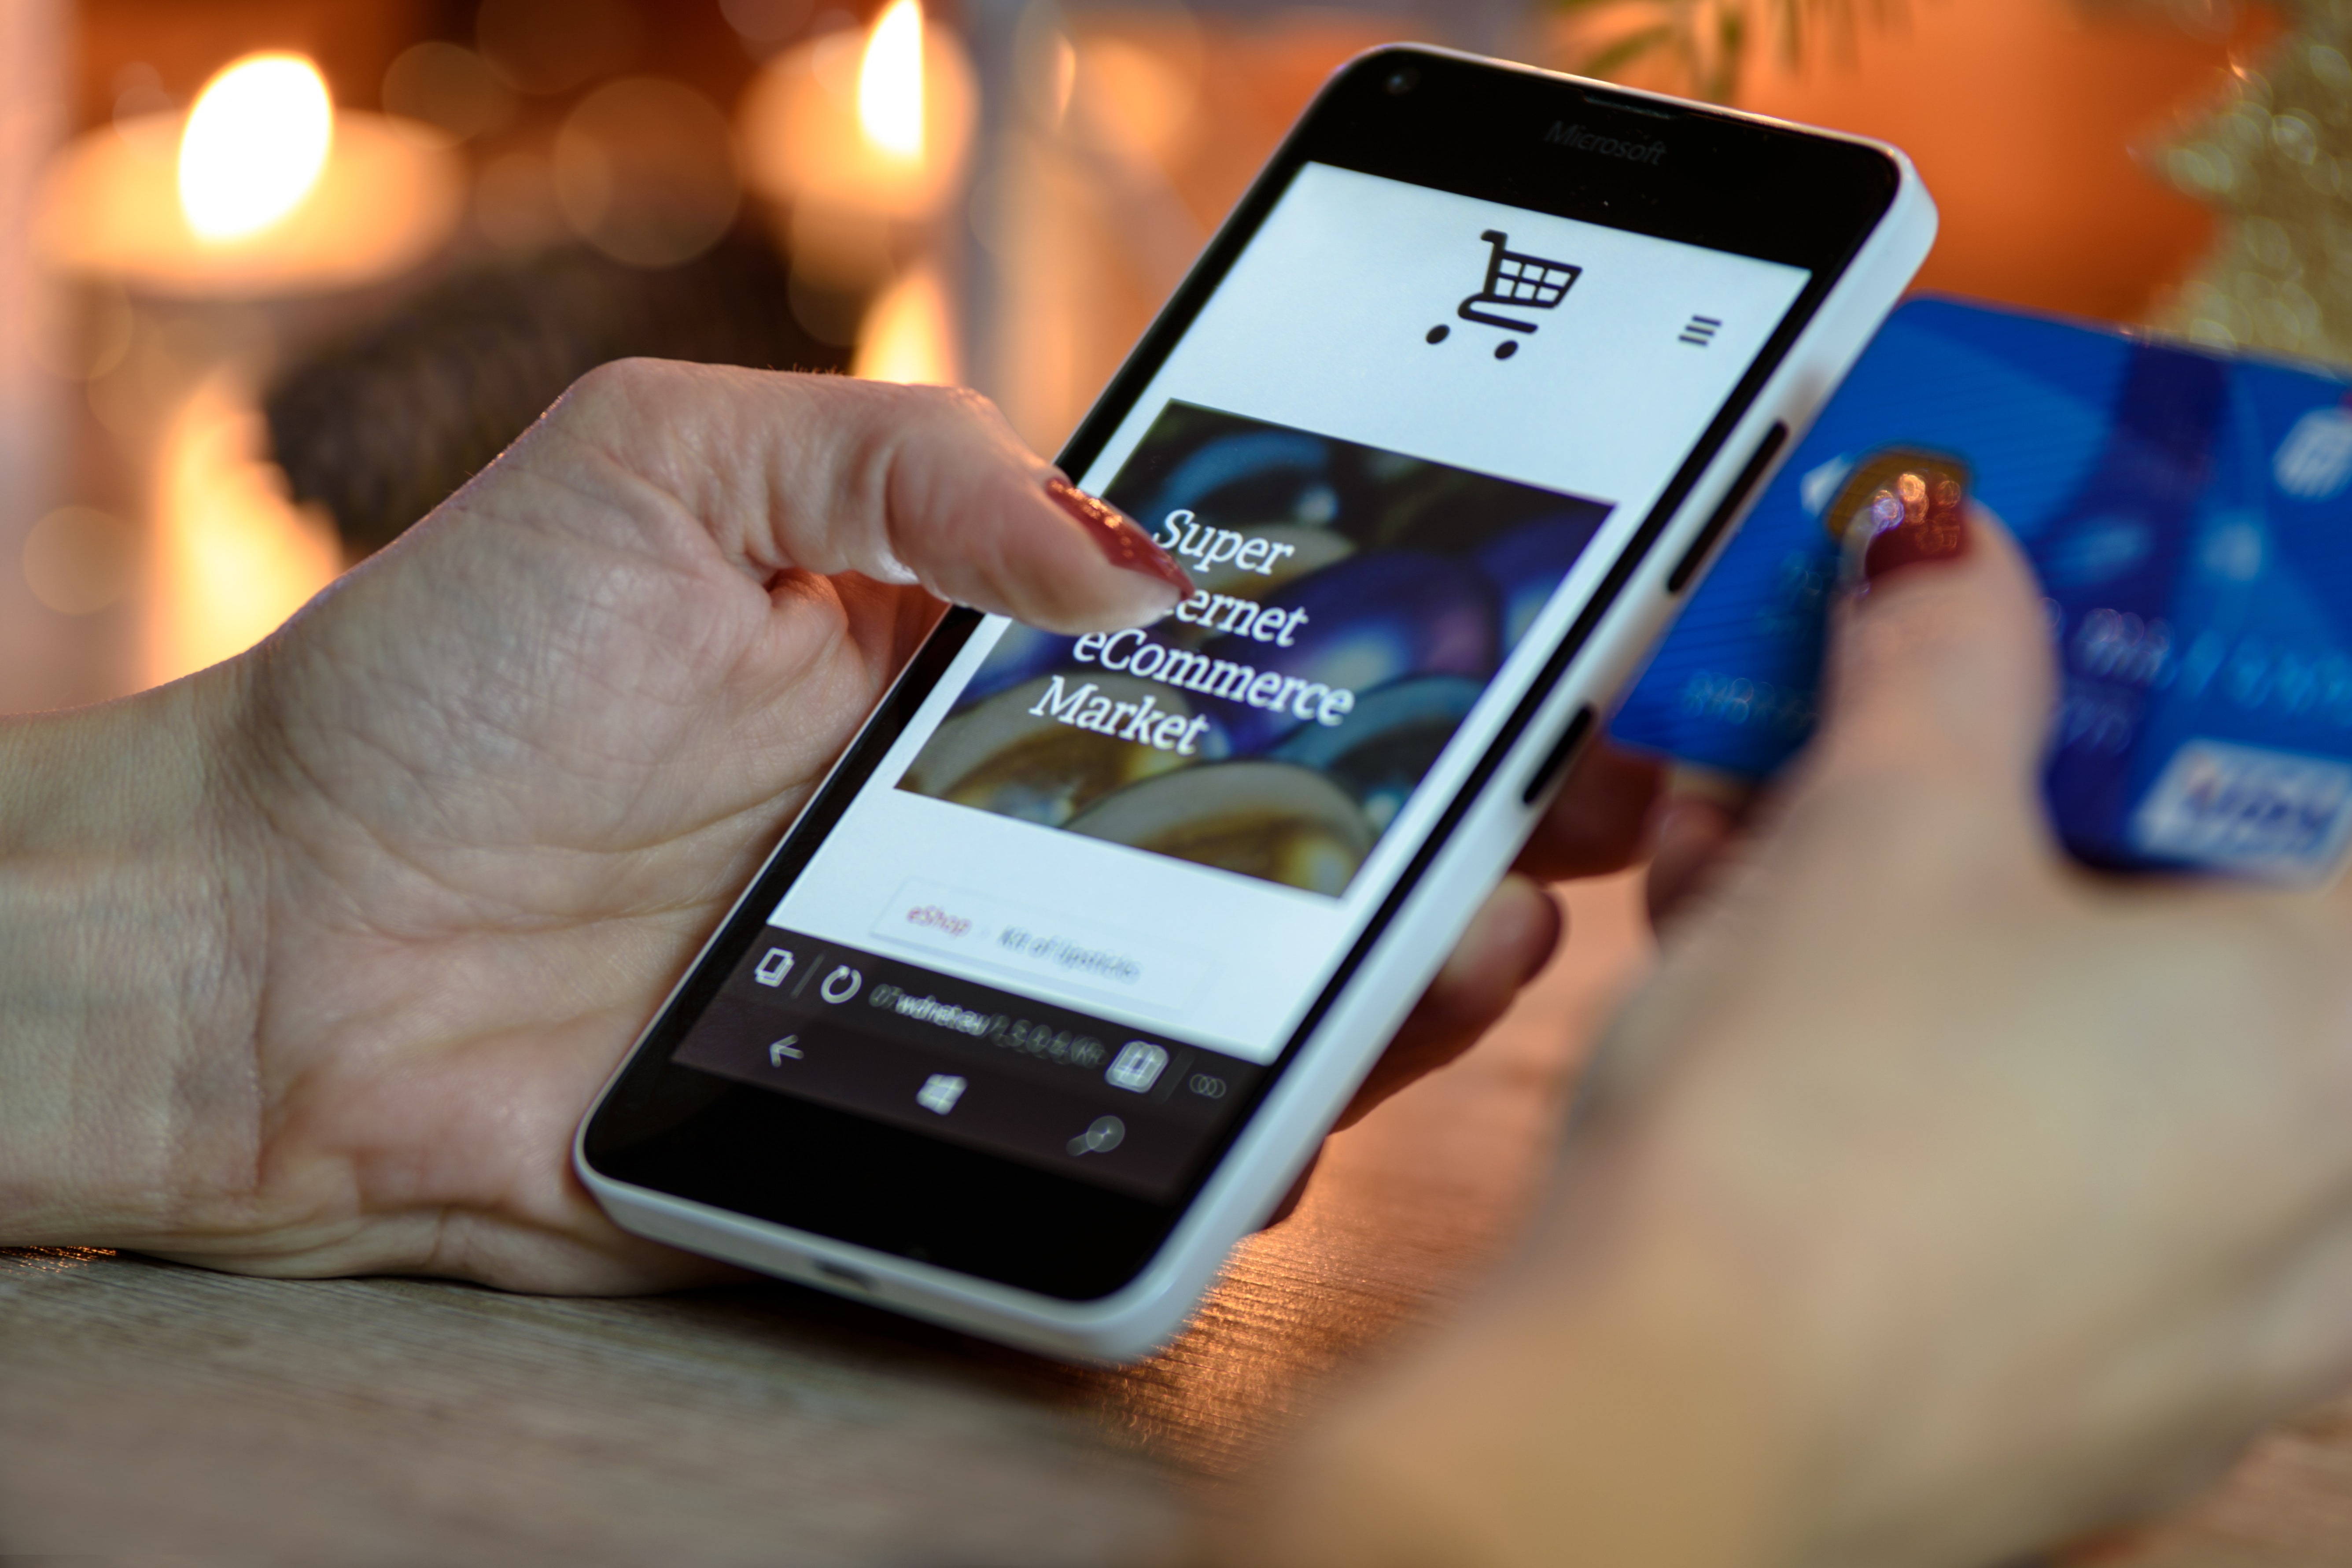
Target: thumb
{"x": 1939, "y": 663}
{"x": 905, "y": 484}
{"x": 1936, "y": 707}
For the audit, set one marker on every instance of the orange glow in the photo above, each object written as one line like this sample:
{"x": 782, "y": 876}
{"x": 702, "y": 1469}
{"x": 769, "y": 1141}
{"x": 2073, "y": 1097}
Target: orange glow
{"x": 255, "y": 145}
{"x": 908, "y": 335}
{"x": 1065, "y": 78}
{"x": 890, "y": 82}
{"x": 233, "y": 555}
{"x": 389, "y": 193}
{"x": 878, "y": 127}
{"x": 78, "y": 560}
{"x": 1138, "y": 99}
{"x": 2039, "y": 165}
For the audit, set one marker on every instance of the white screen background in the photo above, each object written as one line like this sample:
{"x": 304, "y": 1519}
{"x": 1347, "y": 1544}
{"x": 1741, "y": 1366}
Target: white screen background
{"x": 1322, "y": 324}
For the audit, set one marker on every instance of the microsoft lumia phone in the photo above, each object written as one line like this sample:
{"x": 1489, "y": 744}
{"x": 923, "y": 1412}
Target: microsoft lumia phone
{"x": 1057, "y": 983}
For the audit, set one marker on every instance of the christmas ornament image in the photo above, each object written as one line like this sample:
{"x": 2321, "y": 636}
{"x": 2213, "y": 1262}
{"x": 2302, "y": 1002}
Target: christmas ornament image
{"x": 2274, "y": 160}
{"x": 2272, "y": 157}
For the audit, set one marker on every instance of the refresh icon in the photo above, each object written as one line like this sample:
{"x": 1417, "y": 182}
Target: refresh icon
{"x": 841, "y": 984}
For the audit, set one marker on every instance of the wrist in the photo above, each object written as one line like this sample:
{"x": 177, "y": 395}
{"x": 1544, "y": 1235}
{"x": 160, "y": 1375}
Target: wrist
{"x": 126, "y": 1001}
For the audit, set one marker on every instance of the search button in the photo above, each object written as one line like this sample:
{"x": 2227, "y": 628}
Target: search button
{"x": 1106, "y": 1133}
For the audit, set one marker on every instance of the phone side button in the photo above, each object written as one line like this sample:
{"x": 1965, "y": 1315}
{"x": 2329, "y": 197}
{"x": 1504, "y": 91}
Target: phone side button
{"x": 1571, "y": 741}
{"x": 1703, "y": 545}
{"x": 855, "y": 1279}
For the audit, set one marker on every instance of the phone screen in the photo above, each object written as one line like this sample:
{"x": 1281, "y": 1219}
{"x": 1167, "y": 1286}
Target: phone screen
{"x": 1095, "y": 886}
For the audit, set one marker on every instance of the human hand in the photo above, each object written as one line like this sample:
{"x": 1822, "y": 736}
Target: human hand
{"x": 393, "y": 892}
{"x": 1937, "y": 1201}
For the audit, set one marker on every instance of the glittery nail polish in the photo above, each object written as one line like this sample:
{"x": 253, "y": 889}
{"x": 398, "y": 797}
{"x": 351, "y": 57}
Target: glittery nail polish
{"x": 1120, "y": 537}
{"x": 1900, "y": 510}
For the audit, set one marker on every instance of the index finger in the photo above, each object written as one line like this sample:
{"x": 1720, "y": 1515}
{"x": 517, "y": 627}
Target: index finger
{"x": 826, "y": 474}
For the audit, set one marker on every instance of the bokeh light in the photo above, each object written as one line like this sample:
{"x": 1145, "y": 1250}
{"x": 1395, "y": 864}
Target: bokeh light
{"x": 233, "y": 553}
{"x": 851, "y": 129}
{"x": 450, "y": 88}
{"x": 645, "y": 171}
{"x": 765, "y": 25}
{"x": 255, "y": 145}
{"x": 551, "y": 47}
{"x": 908, "y": 334}
{"x": 78, "y": 560}
{"x": 890, "y": 81}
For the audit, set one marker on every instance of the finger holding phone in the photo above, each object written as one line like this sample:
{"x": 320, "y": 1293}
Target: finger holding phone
{"x": 311, "y": 964}
{"x": 1191, "y": 877}
{"x": 452, "y": 820}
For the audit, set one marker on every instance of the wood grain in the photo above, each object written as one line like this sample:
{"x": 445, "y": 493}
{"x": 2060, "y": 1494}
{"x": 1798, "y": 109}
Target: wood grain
{"x": 149, "y": 1411}
{"x": 146, "y": 1408}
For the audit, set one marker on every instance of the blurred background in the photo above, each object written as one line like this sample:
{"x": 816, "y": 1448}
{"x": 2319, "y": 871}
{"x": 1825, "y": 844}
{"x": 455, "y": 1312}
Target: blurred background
{"x": 277, "y": 276}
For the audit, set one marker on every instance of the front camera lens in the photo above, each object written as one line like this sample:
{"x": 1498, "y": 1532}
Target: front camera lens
{"x": 1403, "y": 80}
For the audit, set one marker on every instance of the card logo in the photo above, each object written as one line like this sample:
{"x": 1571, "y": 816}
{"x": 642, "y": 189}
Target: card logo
{"x": 2249, "y": 810}
{"x": 1516, "y": 280}
{"x": 2315, "y": 461}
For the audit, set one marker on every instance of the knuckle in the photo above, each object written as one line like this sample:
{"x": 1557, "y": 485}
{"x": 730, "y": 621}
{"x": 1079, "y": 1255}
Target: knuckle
{"x": 953, "y": 436}
{"x": 888, "y": 421}
{"x": 942, "y": 413}
{"x": 965, "y": 403}
{"x": 624, "y": 385}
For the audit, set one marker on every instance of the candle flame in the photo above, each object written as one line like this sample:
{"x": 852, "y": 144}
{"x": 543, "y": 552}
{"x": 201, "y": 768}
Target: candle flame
{"x": 890, "y": 81}
{"x": 234, "y": 555}
{"x": 255, "y": 145}
{"x": 906, "y": 335}
{"x": 1066, "y": 77}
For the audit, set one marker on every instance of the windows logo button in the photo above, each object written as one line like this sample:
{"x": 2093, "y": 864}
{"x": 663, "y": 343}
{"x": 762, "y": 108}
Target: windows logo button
{"x": 1137, "y": 1066}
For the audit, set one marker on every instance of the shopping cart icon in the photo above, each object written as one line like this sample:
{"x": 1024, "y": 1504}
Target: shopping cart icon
{"x": 1521, "y": 281}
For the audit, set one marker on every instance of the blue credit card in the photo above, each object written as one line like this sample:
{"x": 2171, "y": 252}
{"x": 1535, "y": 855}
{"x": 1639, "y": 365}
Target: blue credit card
{"x": 2190, "y": 515}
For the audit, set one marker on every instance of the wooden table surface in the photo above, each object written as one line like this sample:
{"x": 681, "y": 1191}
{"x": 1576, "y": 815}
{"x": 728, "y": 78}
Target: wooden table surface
{"x": 153, "y": 1411}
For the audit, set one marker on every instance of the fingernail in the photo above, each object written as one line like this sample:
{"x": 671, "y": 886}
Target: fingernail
{"x": 1120, "y": 537}
{"x": 1900, "y": 510}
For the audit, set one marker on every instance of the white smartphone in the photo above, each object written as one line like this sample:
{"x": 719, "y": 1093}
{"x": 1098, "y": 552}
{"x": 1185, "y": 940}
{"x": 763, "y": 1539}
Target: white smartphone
{"x": 1056, "y": 984}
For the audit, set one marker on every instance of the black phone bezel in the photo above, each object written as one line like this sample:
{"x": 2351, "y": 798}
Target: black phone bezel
{"x": 1497, "y": 132}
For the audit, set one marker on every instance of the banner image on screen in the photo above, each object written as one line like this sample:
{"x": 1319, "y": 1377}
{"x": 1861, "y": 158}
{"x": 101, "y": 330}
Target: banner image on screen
{"x": 1352, "y": 605}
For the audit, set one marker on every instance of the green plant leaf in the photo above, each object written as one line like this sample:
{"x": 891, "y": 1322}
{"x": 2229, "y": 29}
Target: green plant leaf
{"x": 1710, "y": 38}
{"x": 1622, "y": 52}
